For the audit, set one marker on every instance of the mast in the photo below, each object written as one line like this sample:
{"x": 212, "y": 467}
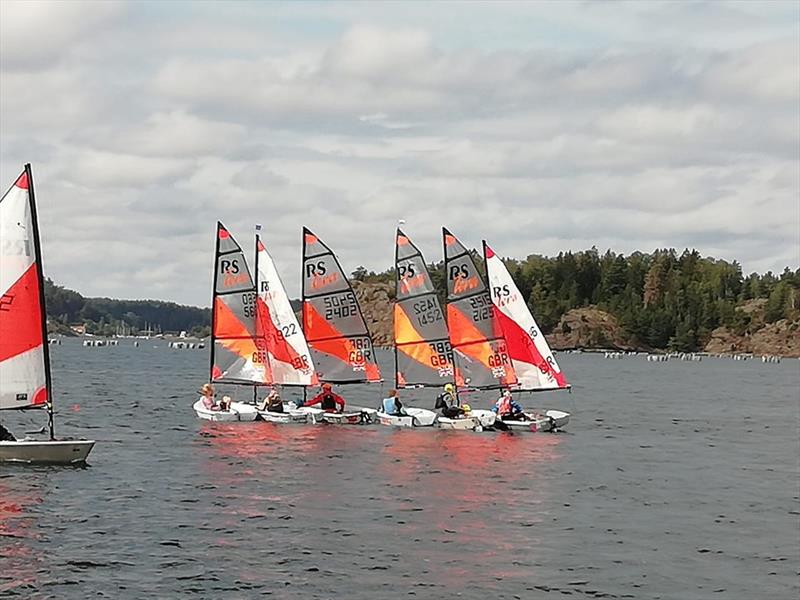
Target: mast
{"x": 213, "y": 308}
{"x": 397, "y": 283}
{"x": 255, "y": 283}
{"x": 40, "y": 274}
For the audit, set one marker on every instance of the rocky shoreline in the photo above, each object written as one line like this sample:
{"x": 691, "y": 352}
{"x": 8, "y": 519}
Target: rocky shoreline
{"x": 589, "y": 328}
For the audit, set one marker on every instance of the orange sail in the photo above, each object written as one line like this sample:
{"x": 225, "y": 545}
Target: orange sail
{"x": 333, "y": 324}
{"x": 239, "y": 348}
{"x": 480, "y": 353}
{"x": 423, "y": 356}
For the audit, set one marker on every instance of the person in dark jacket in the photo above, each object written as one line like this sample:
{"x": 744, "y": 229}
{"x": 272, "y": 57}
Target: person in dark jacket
{"x": 448, "y": 403}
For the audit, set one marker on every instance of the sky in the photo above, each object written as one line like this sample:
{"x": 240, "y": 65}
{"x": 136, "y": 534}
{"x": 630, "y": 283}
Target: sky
{"x": 541, "y": 127}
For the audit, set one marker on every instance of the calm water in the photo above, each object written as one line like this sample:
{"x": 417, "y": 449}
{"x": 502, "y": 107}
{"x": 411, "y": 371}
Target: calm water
{"x": 675, "y": 480}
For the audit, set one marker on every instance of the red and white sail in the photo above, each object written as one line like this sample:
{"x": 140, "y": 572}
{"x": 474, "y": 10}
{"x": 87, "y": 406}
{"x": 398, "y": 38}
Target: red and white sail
{"x": 23, "y": 367}
{"x": 533, "y": 362}
{"x": 289, "y": 356}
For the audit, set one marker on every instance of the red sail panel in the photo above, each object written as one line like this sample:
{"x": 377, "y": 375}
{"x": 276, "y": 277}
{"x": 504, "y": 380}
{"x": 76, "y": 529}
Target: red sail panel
{"x": 21, "y": 321}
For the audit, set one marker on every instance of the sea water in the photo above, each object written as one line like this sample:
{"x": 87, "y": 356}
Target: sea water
{"x": 673, "y": 480}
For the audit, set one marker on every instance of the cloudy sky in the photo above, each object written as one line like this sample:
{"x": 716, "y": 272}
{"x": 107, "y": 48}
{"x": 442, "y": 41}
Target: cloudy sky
{"x": 541, "y": 127}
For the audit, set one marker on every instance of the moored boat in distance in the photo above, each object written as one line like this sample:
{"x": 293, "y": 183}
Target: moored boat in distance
{"x": 25, "y": 377}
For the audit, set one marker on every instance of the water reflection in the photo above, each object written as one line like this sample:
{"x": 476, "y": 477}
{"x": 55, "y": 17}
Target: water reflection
{"x": 19, "y": 558}
{"x": 472, "y": 489}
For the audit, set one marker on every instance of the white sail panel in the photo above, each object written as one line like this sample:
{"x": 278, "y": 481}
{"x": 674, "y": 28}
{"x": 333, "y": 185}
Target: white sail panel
{"x": 23, "y": 380}
{"x": 289, "y": 356}
{"x": 533, "y": 362}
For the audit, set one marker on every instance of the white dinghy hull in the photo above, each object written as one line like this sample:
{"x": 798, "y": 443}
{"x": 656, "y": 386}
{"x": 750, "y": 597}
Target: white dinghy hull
{"x": 551, "y": 420}
{"x": 486, "y": 417}
{"x": 57, "y": 452}
{"x": 462, "y": 424}
{"x": 239, "y": 411}
{"x": 414, "y": 417}
{"x": 345, "y": 418}
{"x": 289, "y": 417}
{"x": 354, "y": 415}
{"x": 559, "y": 417}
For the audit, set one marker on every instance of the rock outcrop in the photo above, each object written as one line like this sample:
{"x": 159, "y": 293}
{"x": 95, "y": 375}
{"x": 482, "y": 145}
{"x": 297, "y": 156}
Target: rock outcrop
{"x": 590, "y": 327}
{"x": 375, "y": 300}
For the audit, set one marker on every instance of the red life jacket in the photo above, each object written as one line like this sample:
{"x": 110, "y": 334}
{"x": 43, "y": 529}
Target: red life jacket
{"x": 504, "y": 406}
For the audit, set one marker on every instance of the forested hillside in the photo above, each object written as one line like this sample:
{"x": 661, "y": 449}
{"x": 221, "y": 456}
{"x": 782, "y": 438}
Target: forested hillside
{"x": 661, "y": 300}
{"x": 104, "y": 316}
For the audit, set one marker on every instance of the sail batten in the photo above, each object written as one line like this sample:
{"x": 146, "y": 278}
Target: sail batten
{"x": 24, "y": 352}
{"x": 333, "y": 324}
{"x": 480, "y": 353}
{"x": 533, "y": 361}
{"x": 423, "y": 356}
{"x": 238, "y": 348}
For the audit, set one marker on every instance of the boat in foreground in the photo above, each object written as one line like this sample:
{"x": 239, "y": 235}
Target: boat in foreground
{"x": 25, "y": 379}
{"x": 55, "y": 452}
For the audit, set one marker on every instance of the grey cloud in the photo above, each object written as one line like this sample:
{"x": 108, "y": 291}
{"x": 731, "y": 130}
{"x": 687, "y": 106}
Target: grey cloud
{"x": 630, "y": 143}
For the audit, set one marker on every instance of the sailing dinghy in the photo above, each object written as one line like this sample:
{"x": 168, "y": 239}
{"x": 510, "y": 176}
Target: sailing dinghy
{"x": 335, "y": 329}
{"x": 422, "y": 353}
{"x": 25, "y": 380}
{"x": 533, "y": 362}
{"x": 287, "y": 350}
{"x": 480, "y": 355}
{"x": 238, "y": 348}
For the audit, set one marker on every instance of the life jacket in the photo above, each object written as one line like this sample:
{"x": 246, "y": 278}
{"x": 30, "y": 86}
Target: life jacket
{"x": 328, "y": 402}
{"x": 444, "y": 400}
{"x": 389, "y": 406}
{"x": 504, "y": 406}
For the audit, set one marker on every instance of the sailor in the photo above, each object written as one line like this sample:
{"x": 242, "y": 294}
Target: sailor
{"x": 6, "y": 435}
{"x": 508, "y": 408}
{"x": 207, "y": 395}
{"x": 392, "y": 405}
{"x": 272, "y": 402}
{"x": 448, "y": 402}
{"x": 225, "y": 403}
{"x": 328, "y": 401}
